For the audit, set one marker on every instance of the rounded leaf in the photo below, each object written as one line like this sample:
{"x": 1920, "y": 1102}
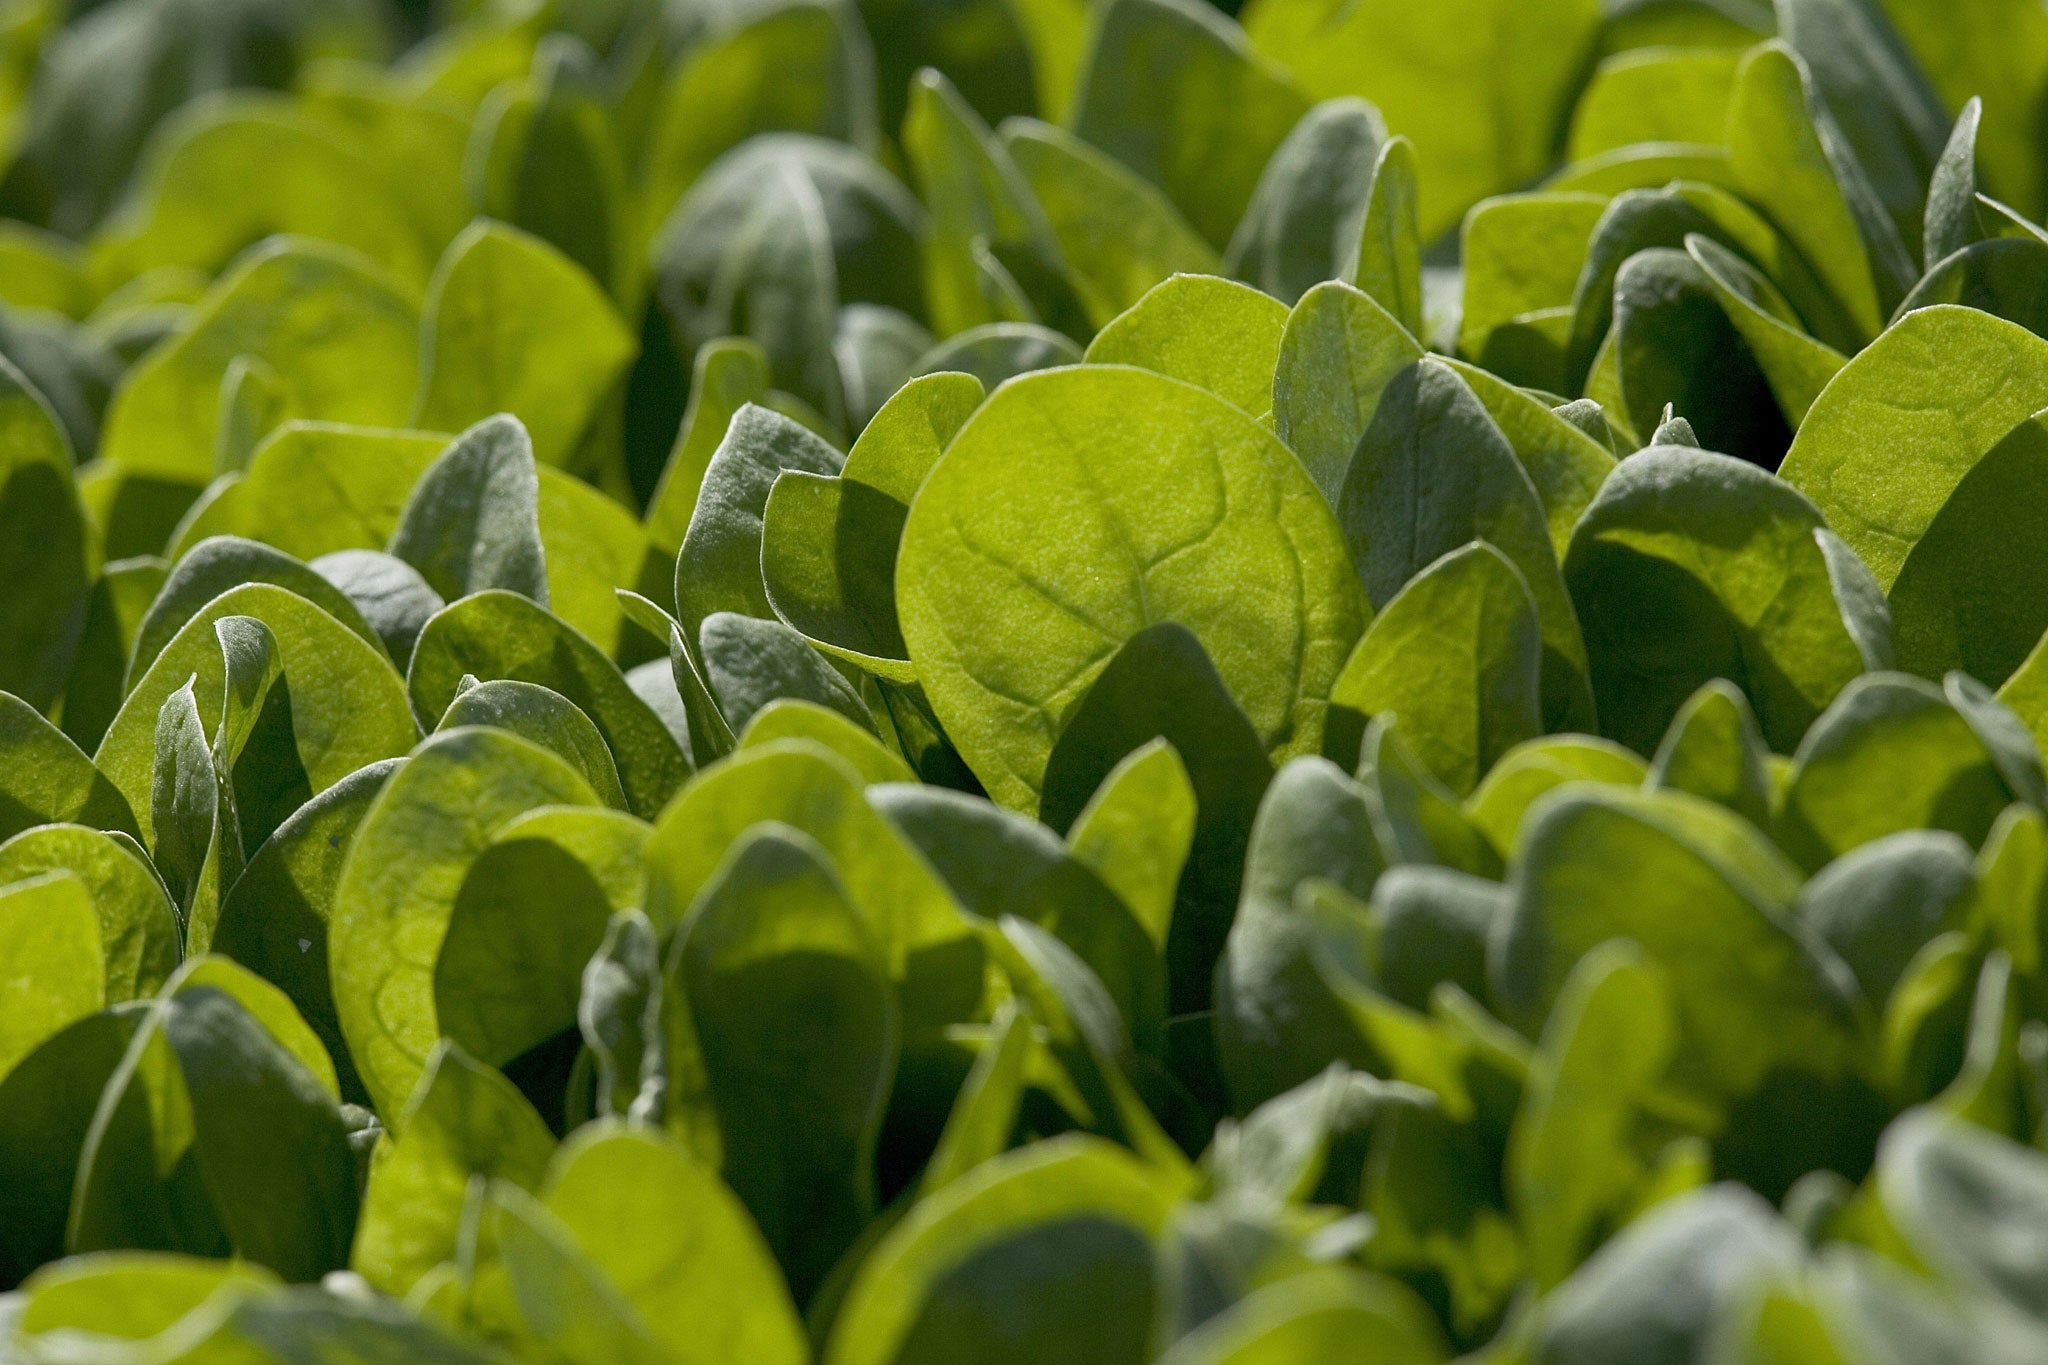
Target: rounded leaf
{"x": 1078, "y": 507}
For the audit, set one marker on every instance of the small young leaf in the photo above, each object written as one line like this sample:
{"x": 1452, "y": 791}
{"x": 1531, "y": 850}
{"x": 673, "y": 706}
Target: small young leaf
{"x": 1390, "y": 239}
{"x": 1951, "y": 219}
{"x": 472, "y": 522}
{"x": 1433, "y": 472}
{"x": 1457, "y": 657}
{"x": 493, "y": 635}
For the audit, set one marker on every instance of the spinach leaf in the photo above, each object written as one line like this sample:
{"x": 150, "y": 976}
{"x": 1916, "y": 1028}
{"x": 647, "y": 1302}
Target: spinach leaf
{"x": 1950, "y": 222}
{"x": 1119, "y": 234}
{"x": 1654, "y": 93}
{"x": 1338, "y": 354}
{"x": 728, "y": 374}
{"x": 801, "y": 784}
{"x": 503, "y": 310}
{"x": 274, "y": 920}
{"x": 1792, "y": 1028}
{"x": 773, "y": 238}
{"x": 55, "y": 965}
{"x": 1644, "y": 554}
{"x": 676, "y": 1243}
{"x": 312, "y": 488}
{"x": 801, "y": 68}
{"x": 1277, "y": 1021}
{"x": 1139, "y": 541}
{"x": 983, "y": 210}
{"x": 2003, "y": 277}
{"x": 790, "y": 1002}
{"x": 1457, "y": 657}
{"x": 1180, "y": 96}
{"x": 1963, "y": 597}
{"x": 1715, "y": 750}
{"x": 996, "y": 351}
{"x": 1653, "y": 1292}
{"x": 530, "y": 913}
{"x": 1790, "y": 157}
{"x": 1880, "y": 903}
{"x": 1065, "y": 1222}
{"x": 340, "y": 339}
{"x": 750, "y": 663}
{"x": 293, "y": 747}
{"x": 1306, "y": 218}
{"x": 719, "y": 568}
{"x": 828, "y": 545}
{"x": 1433, "y": 472}
{"x": 138, "y": 926}
{"x": 216, "y": 565}
{"x": 546, "y": 159}
{"x": 495, "y": 635}
{"x": 238, "y": 168}
{"x": 1796, "y": 366}
{"x": 400, "y": 884}
{"x": 1481, "y": 88}
{"x": 45, "y": 559}
{"x": 1161, "y": 686}
{"x": 546, "y": 718}
{"x": 51, "y": 1096}
{"x": 1674, "y": 349}
{"x": 1000, "y": 866}
{"x": 1934, "y": 771}
{"x": 1212, "y": 333}
{"x": 390, "y": 596}
{"x": 1522, "y": 255}
{"x": 46, "y": 779}
{"x": 462, "y": 1121}
{"x": 1873, "y": 88}
{"x": 1575, "y": 1155}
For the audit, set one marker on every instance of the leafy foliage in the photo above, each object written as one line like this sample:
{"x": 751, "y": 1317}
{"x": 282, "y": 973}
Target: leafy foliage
{"x": 1023, "y": 680}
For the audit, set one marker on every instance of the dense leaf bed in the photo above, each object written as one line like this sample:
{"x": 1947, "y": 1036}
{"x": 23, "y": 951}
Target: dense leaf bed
{"x": 1359, "y": 683}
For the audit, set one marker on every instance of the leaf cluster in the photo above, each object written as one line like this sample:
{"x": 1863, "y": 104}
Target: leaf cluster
{"x": 1024, "y": 680}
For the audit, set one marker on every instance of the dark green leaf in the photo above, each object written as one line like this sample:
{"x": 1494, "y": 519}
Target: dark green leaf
{"x": 472, "y": 522}
{"x": 1306, "y": 219}
{"x": 44, "y": 557}
{"x": 1176, "y": 93}
{"x": 1160, "y": 685}
{"x": 1433, "y": 472}
{"x": 1692, "y": 565}
{"x": 1950, "y": 223}
{"x": 791, "y": 1003}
